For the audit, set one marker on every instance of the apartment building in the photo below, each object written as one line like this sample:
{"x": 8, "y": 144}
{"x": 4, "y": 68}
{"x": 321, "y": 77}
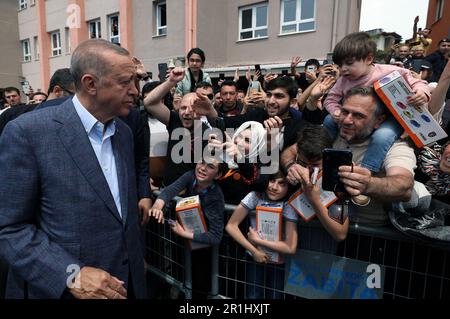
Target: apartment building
{"x": 233, "y": 33}
{"x": 10, "y": 61}
{"x": 438, "y": 20}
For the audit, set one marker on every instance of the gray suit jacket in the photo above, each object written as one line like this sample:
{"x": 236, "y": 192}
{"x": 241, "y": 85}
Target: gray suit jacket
{"x": 56, "y": 209}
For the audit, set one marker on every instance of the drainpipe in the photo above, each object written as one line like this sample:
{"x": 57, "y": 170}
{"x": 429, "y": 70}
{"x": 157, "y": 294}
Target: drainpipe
{"x": 126, "y": 25}
{"x": 335, "y": 21}
{"x": 190, "y": 28}
{"x": 44, "y": 43}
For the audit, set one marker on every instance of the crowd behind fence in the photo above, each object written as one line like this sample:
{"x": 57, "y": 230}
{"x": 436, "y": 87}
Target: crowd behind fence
{"x": 414, "y": 269}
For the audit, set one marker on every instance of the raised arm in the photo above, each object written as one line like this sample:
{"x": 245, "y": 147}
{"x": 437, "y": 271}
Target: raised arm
{"x": 438, "y": 98}
{"x": 154, "y": 101}
{"x": 232, "y": 228}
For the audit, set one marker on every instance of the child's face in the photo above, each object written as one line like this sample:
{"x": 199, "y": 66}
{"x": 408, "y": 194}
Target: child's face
{"x": 207, "y": 172}
{"x": 353, "y": 69}
{"x": 277, "y": 189}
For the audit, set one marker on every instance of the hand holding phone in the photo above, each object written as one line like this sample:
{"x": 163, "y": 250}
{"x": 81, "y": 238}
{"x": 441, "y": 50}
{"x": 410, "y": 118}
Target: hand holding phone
{"x": 162, "y": 68}
{"x": 332, "y": 160}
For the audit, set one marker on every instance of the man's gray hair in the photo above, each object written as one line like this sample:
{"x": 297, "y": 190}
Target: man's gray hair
{"x": 88, "y": 58}
{"x": 367, "y": 91}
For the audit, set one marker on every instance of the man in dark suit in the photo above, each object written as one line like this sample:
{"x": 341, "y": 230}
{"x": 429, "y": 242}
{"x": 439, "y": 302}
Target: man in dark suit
{"x": 69, "y": 223}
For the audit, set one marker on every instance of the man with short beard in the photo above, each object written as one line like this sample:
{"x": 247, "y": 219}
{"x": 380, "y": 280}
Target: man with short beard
{"x": 184, "y": 118}
{"x": 363, "y": 112}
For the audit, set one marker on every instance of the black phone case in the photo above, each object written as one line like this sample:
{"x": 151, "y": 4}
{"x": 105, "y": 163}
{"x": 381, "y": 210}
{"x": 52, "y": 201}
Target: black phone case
{"x": 332, "y": 160}
{"x": 162, "y": 68}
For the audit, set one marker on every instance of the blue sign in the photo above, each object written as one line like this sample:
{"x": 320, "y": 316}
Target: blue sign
{"x": 316, "y": 275}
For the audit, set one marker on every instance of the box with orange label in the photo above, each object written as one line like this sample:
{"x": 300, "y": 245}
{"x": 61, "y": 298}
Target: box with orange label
{"x": 303, "y": 207}
{"x": 189, "y": 213}
{"x": 269, "y": 227}
{"x": 417, "y": 121}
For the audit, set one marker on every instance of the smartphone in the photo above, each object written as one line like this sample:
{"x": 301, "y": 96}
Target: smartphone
{"x": 311, "y": 68}
{"x": 255, "y": 86}
{"x": 162, "y": 68}
{"x": 330, "y": 57}
{"x": 25, "y": 87}
{"x": 258, "y": 68}
{"x": 284, "y": 72}
{"x": 332, "y": 160}
{"x": 222, "y": 76}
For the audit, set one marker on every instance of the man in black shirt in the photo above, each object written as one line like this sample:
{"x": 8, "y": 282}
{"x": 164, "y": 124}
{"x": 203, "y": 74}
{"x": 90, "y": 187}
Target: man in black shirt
{"x": 230, "y": 105}
{"x": 185, "y": 124}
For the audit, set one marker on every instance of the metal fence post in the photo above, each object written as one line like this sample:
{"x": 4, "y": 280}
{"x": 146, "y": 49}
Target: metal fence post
{"x": 214, "y": 272}
{"x": 187, "y": 272}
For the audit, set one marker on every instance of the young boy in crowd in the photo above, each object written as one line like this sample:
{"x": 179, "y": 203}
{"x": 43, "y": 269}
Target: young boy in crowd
{"x": 355, "y": 56}
{"x": 202, "y": 182}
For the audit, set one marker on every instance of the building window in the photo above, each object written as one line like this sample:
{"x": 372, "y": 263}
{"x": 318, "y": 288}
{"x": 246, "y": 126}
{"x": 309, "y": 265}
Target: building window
{"x": 297, "y": 16}
{"x": 95, "y": 30}
{"x": 253, "y": 22}
{"x": 439, "y": 9}
{"x": 36, "y": 48}
{"x": 22, "y": 4}
{"x": 161, "y": 18}
{"x": 26, "y": 50}
{"x": 56, "y": 43}
{"x": 114, "y": 28}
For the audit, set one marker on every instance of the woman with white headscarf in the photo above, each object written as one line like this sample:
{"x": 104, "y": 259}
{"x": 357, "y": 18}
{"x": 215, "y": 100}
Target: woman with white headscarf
{"x": 241, "y": 152}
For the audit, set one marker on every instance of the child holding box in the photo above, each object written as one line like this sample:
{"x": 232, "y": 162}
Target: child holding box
{"x": 277, "y": 191}
{"x": 202, "y": 182}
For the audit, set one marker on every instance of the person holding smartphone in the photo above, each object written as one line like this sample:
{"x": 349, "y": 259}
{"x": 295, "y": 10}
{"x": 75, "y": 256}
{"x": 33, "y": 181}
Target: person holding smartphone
{"x": 305, "y": 79}
{"x": 194, "y": 73}
{"x": 361, "y": 114}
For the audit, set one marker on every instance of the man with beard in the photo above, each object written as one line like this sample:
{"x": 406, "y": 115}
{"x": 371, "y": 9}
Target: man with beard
{"x": 280, "y": 92}
{"x": 184, "y": 119}
{"x": 363, "y": 112}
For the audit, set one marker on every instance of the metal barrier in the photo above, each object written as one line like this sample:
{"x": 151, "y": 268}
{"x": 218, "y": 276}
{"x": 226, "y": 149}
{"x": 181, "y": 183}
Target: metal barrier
{"x": 414, "y": 269}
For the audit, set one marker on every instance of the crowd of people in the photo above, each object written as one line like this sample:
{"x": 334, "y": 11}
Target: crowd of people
{"x": 79, "y": 164}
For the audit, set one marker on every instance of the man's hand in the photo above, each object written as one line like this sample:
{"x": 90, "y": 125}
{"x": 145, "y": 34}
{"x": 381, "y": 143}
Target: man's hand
{"x": 356, "y": 182}
{"x": 294, "y": 62}
{"x": 144, "y": 206}
{"x": 140, "y": 69}
{"x": 94, "y": 283}
{"x": 269, "y": 77}
{"x": 176, "y": 75}
{"x": 236, "y": 76}
{"x": 202, "y": 105}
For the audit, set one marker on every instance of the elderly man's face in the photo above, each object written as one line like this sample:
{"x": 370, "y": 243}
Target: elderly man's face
{"x": 357, "y": 121}
{"x": 116, "y": 92}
